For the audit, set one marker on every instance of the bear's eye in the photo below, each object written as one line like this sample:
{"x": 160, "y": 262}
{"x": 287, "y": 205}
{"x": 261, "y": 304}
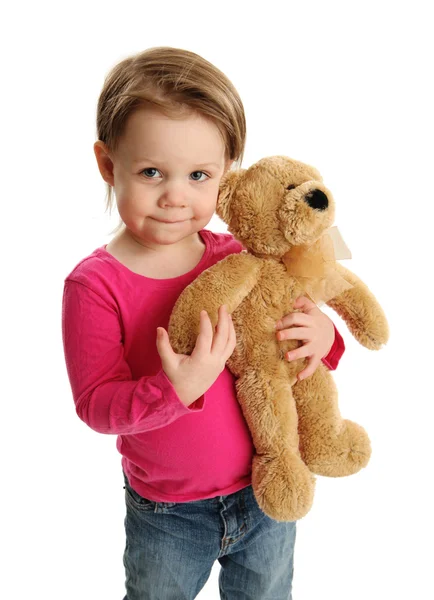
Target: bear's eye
{"x": 291, "y": 187}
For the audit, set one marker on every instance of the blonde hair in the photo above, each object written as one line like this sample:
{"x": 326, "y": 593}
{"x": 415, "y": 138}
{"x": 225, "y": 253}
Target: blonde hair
{"x": 172, "y": 80}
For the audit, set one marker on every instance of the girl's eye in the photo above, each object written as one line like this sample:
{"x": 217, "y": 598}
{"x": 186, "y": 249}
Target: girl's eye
{"x": 149, "y": 176}
{"x": 149, "y": 169}
{"x": 195, "y": 172}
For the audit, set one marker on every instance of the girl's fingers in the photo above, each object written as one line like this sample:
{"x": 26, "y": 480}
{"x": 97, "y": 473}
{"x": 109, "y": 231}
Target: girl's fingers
{"x": 295, "y": 333}
{"x": 205, "y": 337}
{"x": 163, "y": 344}
{"x": 222, "y": 330}
{"x": 304, "y": 303}
{"x": 297, "y": 319}
{"x": 301, "y": 352}
{"x": 232, "y": 339}
{"x": 168, "y": 356}
{"x": 309, "y": 370}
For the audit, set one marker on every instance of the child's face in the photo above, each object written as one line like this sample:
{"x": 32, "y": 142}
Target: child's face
{"x": 165, "y": 170}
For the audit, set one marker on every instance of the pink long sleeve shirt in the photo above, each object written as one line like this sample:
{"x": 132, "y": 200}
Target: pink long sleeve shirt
{"x": 170, "y": 453}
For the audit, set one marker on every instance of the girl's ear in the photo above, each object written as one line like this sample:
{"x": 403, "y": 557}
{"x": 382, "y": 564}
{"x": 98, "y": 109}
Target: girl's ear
{"x": 228, "y": 184}
{"x": 105, "y": 163}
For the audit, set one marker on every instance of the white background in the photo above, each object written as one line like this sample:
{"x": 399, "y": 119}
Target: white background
{"x": 344, "y": 86}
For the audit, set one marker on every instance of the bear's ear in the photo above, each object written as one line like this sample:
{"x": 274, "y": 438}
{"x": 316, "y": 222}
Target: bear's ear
{"x": 228, "y": 183}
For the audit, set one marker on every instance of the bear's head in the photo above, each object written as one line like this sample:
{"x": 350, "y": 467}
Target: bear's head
{"x": 275, "y": 204}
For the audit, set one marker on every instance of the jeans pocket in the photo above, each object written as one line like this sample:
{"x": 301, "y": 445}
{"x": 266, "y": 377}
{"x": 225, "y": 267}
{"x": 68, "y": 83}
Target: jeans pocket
{"x": 137, "y": 500}
{"x": 141, "y": 503}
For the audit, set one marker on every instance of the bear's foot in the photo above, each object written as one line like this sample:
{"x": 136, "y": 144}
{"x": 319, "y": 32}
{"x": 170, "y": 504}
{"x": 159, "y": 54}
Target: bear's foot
{"x": 283, "y": 486}
{"x": 337, "y": 455}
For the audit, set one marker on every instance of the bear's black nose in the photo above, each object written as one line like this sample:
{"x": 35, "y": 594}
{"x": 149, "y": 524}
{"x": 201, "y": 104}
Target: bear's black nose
{"x": 317, "y": 199}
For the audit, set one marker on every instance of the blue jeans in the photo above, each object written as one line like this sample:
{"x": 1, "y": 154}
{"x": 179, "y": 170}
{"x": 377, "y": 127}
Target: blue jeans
{"x": 171, "y": 548}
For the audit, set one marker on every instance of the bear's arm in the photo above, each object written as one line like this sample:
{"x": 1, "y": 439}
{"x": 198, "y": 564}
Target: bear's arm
{"x": 227, "y": 282}
{"x": 361, "y": 311}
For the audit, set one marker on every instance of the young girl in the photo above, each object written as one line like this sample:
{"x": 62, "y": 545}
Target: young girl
{"x": 169, "y": 125}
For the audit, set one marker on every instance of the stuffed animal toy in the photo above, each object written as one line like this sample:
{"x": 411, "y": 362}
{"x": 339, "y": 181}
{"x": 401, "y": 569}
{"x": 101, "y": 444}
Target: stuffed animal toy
{"x": 281, "y": 213}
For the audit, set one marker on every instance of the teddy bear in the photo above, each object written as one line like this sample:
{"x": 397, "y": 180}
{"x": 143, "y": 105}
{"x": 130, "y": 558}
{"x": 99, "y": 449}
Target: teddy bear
{"x": 281, "y": 213}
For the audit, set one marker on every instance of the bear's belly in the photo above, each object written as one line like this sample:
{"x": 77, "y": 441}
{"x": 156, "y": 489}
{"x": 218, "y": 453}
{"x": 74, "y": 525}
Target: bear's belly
{"x": 254, "y": 321}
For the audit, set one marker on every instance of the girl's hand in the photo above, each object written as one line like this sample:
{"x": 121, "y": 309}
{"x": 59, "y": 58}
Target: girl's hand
{"x": 311, "y": 326}
{"x": 191, "y": 376}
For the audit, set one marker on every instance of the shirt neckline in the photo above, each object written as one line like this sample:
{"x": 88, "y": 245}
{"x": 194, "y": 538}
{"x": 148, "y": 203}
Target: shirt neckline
{"x": 172, "y": 281}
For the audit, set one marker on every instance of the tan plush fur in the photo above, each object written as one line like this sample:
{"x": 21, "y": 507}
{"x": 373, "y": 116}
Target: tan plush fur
{"x": 296, "y": 426}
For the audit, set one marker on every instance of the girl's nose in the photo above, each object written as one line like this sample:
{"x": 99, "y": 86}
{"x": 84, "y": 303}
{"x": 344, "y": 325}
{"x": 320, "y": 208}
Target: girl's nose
{"x": 174, "y": 195}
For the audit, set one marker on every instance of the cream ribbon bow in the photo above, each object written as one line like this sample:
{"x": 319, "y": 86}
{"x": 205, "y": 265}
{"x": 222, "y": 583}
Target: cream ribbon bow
{"x": 314, "y": 266}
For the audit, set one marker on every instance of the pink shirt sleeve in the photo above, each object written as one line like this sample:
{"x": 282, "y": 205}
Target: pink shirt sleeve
{"x": 105, "y": 396}
{"x": 333, "y": 357}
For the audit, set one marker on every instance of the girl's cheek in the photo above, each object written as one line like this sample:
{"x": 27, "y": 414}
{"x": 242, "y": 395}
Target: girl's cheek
{"x": 204, "y": 214}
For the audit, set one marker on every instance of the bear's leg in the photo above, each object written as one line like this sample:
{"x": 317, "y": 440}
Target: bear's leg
{"x": 283, "y": 485}
{"x": 329, "y": 445}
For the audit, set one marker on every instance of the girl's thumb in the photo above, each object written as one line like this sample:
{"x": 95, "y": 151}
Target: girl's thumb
{"x": 304, "y": 303}
{"x": 163, "y": 345}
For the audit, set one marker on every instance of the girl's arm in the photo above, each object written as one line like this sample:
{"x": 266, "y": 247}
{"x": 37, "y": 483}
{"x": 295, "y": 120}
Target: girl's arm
{"x": 105, "y": 396}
